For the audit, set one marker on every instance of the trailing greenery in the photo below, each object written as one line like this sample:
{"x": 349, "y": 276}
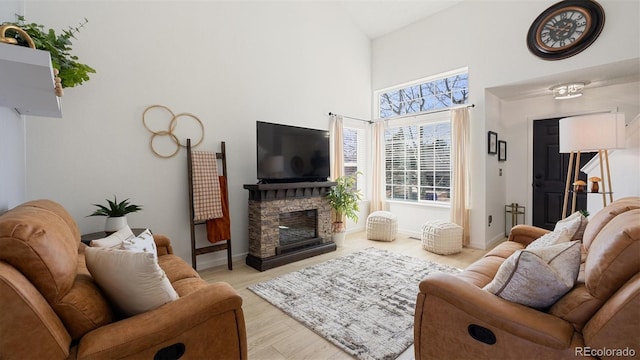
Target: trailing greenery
{"x": 71, "y": 72}
{"x": 344, "y": 197}
{"x": 116, "y": 209}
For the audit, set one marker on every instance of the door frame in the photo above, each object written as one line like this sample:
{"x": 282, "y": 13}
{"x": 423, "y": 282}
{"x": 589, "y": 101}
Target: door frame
{"x": 530, "y": 119}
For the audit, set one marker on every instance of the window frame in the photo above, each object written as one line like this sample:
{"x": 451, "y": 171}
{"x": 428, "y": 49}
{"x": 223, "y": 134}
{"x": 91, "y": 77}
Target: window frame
{"x": 418, "y": 121}
{"x": 362, "y": 153}
{"x": 426, "y": 81}
{"x": 420, "y": 118}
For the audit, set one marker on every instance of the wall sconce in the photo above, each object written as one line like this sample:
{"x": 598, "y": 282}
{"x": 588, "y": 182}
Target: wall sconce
{"x": 568, "y": 91}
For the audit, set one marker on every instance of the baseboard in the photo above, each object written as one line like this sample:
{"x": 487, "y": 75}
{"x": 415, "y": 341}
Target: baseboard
{"x": 495, "y": 241}
{"x": 221, "y": 260}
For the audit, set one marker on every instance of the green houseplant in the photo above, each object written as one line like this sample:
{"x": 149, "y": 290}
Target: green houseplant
{"x": 71, "y": 72}
{"x": 116, "y": 213}
{"x": 344, "y": 199}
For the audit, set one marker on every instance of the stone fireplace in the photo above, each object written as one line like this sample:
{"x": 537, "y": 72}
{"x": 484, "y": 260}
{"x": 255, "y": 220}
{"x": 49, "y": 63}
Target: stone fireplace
{"x": 288, "y": 222}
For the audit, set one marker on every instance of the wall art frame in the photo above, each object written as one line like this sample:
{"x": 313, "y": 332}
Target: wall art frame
{"x": 492, "y": 142}
{"x": 502, "y": 150}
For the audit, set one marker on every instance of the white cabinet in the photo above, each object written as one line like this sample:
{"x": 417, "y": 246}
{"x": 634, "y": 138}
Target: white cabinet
{"x": 26, "y": 81}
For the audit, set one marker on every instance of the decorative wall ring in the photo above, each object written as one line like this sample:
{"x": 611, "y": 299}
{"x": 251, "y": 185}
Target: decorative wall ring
{"x": 173, "y": 123}
{"x": 144, "y": 119}
{"x": 173, "y": 137}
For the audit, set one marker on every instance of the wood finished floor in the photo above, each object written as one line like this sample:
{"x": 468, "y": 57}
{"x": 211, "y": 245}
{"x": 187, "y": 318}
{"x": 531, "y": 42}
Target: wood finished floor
{"x": 273, "y": 335}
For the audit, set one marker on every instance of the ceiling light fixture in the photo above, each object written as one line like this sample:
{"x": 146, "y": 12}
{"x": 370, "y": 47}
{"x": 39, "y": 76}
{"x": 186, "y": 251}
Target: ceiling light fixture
{"x": 568, "y": 91}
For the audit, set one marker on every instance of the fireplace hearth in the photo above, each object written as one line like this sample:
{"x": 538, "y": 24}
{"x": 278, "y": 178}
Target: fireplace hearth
{"x": 287, "y": 223}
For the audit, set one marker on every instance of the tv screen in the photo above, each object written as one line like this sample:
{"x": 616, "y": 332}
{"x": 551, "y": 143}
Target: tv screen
{"x": 291, "y": 154}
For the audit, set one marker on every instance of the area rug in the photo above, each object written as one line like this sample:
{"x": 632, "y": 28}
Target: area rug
{"x": 363, "y": 303}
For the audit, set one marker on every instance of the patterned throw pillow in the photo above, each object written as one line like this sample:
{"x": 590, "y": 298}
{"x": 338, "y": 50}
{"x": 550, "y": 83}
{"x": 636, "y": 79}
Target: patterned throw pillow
{"x": 537, "y": 277}
{"x": 551, "y": 238}
{"x": 141, "y": 243}
{"x": 115, "y": 239}
{"x": 574, "y": 223}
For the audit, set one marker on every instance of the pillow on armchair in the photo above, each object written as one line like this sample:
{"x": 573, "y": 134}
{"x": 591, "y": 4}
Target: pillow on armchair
{"x": 132, "y": 280}
{"x": 537, "y": 277}
{"x": 574, "y": 224}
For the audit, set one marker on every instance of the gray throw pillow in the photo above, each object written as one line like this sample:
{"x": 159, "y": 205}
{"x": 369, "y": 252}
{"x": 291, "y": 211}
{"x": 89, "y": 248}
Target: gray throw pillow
{"x": 537, "y": 277}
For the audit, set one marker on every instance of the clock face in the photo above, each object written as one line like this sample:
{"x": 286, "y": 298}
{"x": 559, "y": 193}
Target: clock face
{"x": 565, "y": 29}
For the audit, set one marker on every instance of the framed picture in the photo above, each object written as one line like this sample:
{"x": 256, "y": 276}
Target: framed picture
{"x": 502, "y": 150}
{"x": 492, "y": 142}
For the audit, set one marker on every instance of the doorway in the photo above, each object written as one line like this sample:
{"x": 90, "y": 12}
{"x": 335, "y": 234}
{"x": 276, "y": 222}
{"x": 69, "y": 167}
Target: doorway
{"x": 550, "y": 174}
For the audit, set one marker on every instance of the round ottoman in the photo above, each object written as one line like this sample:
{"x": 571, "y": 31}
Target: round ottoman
{"x": 442, "y": 237}
{"x": 382, "y": 226}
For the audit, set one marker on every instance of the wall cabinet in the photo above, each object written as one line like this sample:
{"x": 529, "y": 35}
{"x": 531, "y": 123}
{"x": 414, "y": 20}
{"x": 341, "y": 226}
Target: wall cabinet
{"x": 26, "y": 81}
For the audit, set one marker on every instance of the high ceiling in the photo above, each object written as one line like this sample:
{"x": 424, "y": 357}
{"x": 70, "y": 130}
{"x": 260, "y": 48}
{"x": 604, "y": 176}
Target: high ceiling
{"x": 377, "y": 18}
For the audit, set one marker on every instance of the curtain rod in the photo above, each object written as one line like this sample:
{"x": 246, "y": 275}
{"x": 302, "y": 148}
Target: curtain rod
{"x": 353, "y": 118}
{"x": 407, "y": 115}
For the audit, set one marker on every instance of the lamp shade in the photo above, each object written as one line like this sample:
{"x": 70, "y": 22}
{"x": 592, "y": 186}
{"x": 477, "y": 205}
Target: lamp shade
{"x": 592, "y": 132}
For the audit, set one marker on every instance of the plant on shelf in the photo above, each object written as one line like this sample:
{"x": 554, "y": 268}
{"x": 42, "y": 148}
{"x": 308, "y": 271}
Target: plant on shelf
{"x": 116, "y": 213}
{"x": 344, "y": 199}
{"x": 71, "y": 72}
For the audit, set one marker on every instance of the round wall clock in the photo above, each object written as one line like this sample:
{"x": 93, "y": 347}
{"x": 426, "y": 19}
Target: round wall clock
{"x": 565, "y": 29}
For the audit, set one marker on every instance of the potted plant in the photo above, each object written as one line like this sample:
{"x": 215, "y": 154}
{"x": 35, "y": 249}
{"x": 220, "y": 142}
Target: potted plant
{"x": 70, "y": 71}
{"x": 115, "y": 213}
{"x": 344, "y": 199}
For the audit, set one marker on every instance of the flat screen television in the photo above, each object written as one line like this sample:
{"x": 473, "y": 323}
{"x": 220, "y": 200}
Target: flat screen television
{"x": 291, "y": 154}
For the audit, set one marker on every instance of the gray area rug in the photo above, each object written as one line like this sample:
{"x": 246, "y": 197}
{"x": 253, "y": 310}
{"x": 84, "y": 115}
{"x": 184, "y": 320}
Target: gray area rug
{"x": 363, "y": 303}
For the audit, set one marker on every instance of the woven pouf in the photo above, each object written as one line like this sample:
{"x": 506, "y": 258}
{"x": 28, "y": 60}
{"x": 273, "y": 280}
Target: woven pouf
{"x": 442, "y": 237}
{"x": 382, "y": 226}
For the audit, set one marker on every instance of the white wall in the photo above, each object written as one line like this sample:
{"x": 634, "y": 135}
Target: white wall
{"x": 624, "y": 98}
{"x": 495, "y": 52}
{"x": 229, "y": 63}
{"x": 624, "y": 165}
{"x": 12, "y": 136}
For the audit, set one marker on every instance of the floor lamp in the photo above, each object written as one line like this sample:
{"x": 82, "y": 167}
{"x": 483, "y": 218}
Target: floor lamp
{"x": 590, "y": 133}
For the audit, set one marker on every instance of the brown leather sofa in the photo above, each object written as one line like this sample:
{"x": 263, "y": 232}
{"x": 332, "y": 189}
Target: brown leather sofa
{"x": 600, "y": 317}
{"x": 50, "y": 307}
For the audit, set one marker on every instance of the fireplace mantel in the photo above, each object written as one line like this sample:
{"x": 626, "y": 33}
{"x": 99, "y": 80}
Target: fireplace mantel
{"x": 267, "y": 202}
{"x": 266, "y": 192}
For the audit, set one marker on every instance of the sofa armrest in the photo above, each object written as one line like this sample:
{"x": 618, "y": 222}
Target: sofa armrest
{"x": 452, "y": 297}
{"x": 163, "y": 244}
{"x": 525, "y": 234}
{"x": 207, "y": 321}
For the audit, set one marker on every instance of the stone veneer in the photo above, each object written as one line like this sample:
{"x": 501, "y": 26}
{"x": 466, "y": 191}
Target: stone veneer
{"x": 264, "y": 219}
{"x": 268, "y": 201}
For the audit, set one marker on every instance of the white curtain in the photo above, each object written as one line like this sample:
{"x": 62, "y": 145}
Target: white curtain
{"x": 337, "y": 146}
{"x": 377, "y": 184}
{"x": 460, "y": 187}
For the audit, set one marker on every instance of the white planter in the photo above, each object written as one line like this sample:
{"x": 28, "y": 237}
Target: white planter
{"x": 338, "y": 238}
{"x": 113, "y": 224}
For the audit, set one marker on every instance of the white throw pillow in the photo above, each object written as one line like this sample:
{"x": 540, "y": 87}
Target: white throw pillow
{"x": 132, "y": 280}
{"x": 574, "y": 223}
{"x": 537, "y": 277}
{"x": 141, "y": 243}
{"x": 551, "y": 238}
{"x": 114, "y": 239}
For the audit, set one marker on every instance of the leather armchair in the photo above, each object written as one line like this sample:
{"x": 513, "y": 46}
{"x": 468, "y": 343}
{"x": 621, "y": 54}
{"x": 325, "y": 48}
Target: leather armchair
{"x": 456, "y": 318}
{"x": 52, "y": 309}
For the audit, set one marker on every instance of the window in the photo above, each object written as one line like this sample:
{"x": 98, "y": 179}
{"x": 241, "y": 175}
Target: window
{"x": 354, "y": 152}
{"x": 418, "y": 162}
{"x": 425, "y": 95}
{"x": 418, "y": 150}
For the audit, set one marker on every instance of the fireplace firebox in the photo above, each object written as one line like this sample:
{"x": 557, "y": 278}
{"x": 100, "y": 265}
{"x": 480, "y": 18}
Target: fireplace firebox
{"x": 288, "y": 222}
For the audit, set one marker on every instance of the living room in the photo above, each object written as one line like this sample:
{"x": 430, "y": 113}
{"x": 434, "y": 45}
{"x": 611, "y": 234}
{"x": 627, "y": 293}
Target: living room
{"x": 226, "y": 61}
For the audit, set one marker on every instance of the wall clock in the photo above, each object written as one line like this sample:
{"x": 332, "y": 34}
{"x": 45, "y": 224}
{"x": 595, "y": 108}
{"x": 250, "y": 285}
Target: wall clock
{"x": 565, "y": 29}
